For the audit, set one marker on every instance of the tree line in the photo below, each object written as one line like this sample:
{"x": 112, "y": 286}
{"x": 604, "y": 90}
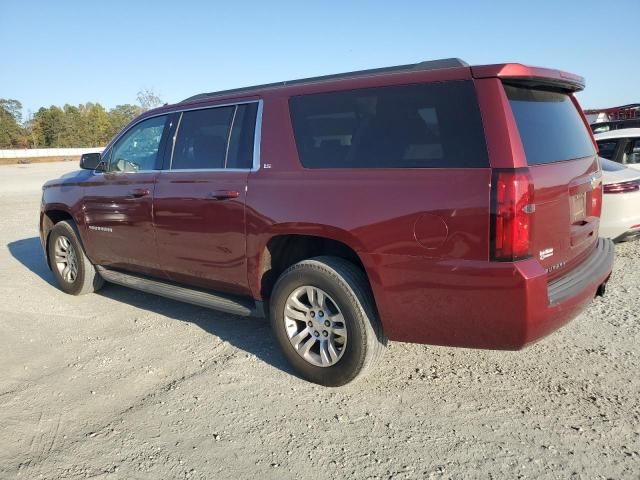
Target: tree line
{"x": 84, "y": 125}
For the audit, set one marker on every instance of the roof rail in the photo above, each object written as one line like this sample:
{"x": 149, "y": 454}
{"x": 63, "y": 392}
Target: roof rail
{"x": 421, "y": 66}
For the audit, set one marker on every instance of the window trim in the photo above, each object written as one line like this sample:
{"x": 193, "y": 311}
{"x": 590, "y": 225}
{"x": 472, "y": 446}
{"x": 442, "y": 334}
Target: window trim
{"x": 257, "y": 138}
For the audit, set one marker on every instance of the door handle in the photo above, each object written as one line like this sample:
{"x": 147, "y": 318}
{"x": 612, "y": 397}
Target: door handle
{"x": 223, "y": 194}
{"x": 138, "y": 193}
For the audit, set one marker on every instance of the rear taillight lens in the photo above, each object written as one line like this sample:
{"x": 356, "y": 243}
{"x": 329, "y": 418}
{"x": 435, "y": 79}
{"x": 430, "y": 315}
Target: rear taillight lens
{"x": 511, "y": 214}
{"x": 622, "y": 187}
{"x": 596, "y": 201}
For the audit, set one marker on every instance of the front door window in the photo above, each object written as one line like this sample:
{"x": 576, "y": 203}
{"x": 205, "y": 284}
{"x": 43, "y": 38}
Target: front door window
{"x": 137, "y": 150}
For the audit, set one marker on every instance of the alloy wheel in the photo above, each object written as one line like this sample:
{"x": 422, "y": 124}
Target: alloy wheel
{"x": 66, "y": 259}
{"x": 315, "y": 326}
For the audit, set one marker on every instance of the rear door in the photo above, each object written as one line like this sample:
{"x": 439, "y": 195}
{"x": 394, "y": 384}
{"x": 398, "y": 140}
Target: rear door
{"x": 565, "y": 174}
{"x": 200, "y": 197}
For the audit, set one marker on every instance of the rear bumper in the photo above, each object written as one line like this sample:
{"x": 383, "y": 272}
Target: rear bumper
{"x": 573, "y": 283}
{"x": 479, "y": 304}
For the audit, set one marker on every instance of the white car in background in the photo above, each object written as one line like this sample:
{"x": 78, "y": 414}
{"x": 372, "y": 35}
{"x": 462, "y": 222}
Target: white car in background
{"x": 621, "y": 146}
{"x": 620, "y": 219}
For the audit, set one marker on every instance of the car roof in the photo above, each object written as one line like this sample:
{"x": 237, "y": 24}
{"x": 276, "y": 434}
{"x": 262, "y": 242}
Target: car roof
{"x": 415, "y": 67}
{"x": 620, "y": 133}
{"x": 532, "y": 76}
{"x": 431, "y": 70}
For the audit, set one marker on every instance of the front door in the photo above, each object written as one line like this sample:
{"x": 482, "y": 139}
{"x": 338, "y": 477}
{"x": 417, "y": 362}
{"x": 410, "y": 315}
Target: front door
{"x": 118, "y": 203}
{"x": 200, "y": 196}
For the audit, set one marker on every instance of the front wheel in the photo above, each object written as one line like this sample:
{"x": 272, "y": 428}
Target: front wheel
{"x": 74, "y": 272}
{"x": 323, "y": 316}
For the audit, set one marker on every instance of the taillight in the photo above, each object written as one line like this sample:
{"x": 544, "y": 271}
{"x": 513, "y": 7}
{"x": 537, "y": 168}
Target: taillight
{"x": 511, "y": 212}
{"x": 596, "y": 201}
{"x": 622, "y": 187}
{"x": 594, "y": 197}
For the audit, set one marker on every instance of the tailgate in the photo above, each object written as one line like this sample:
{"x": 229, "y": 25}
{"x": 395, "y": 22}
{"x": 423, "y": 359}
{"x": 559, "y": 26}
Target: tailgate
{"x": 565, "y": 174}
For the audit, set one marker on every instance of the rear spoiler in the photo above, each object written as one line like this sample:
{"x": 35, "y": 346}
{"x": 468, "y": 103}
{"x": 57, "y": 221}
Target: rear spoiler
{"x": 531, "y": 76}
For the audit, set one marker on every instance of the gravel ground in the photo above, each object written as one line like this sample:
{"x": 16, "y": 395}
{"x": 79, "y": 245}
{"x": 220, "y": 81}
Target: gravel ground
{"x": 122, "y": 384}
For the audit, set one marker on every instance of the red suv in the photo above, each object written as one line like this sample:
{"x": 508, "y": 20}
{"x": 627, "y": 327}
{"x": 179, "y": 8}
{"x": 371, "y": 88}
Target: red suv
{"x": 435, "y": 203}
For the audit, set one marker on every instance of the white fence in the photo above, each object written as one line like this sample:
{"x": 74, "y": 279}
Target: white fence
{"x": 47, "y": 152}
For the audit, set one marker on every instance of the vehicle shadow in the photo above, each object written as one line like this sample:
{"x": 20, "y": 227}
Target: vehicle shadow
{"x": 29, "y": 253}
{"x": 252, "y": 335}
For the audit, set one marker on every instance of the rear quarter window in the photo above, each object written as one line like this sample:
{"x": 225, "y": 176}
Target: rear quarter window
{"x": 607, "y": 148}
{"x": 410, "y": 126}
{"x": 549, "y": 124}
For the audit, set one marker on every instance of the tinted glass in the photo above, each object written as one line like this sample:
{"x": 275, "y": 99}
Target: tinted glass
{"x": 138, "y": 148}
{"x": 409, "y": 126}
{"x": 550, "y": 126}
{"x": 607, "y": 148}
{"x": 632, "y": 152}
{"x": 202, "y": 137}
{"x": 241, "y": 143}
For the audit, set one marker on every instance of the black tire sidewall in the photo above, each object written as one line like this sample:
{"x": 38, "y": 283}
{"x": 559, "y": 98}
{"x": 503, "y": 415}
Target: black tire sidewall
{"x": 337, "y": 288}
{"x": 64, "y": 229}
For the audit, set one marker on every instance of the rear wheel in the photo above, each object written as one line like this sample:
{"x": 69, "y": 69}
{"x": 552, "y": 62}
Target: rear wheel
{"x": 74, "y": 272}
{"x": 323, "y": 316}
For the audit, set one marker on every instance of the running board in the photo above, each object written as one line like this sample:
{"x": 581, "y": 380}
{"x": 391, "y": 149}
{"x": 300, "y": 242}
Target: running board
{"x": 216, "y": 301}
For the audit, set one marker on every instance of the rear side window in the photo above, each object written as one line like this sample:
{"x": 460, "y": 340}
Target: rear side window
{"x": 215, "y": 138}
{"x": 550, "y": 126}
{"x": 607, "y": 148}
{"x": 410, "y": 126}
{"x": 632, "y": 152}
{"x": 240, "y": 154}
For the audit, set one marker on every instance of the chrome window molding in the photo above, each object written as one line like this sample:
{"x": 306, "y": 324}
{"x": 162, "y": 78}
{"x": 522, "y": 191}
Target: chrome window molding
{"x": 257, "y": 137}
{"x": 173, "y": 141}
{"x": 233, "y": 124}
{"x": 95, "y": 172}
{"x": 179, "y": 170}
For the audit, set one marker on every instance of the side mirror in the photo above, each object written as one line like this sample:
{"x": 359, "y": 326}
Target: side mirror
{"x": 90, "y": 161}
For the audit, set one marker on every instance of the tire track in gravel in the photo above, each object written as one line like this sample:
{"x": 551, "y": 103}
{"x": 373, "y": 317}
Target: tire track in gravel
{"x": 43, "y": 443}
{"x": 186, "y": 393}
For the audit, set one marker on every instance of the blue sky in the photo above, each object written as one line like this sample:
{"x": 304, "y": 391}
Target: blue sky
{"x": 57, "y": 52}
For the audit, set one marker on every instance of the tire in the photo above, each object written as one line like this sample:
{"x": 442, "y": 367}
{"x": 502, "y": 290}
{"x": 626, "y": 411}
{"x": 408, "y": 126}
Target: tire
{"x": 335, "y": 358}
{"x": 65, "y": 250}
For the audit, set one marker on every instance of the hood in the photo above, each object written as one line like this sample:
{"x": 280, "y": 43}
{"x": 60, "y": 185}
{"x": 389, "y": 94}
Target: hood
{"x": 69, "y": 178}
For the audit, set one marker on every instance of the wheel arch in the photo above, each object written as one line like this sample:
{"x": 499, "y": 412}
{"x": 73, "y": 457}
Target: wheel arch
{"x": 50, "y": 217}
{"x": 283, "y": 247}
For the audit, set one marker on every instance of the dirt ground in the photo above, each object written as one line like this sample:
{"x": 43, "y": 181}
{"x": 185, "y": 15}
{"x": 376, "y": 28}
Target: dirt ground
{"x": 127, "y": 385}
{"x": 25, "y": 161}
